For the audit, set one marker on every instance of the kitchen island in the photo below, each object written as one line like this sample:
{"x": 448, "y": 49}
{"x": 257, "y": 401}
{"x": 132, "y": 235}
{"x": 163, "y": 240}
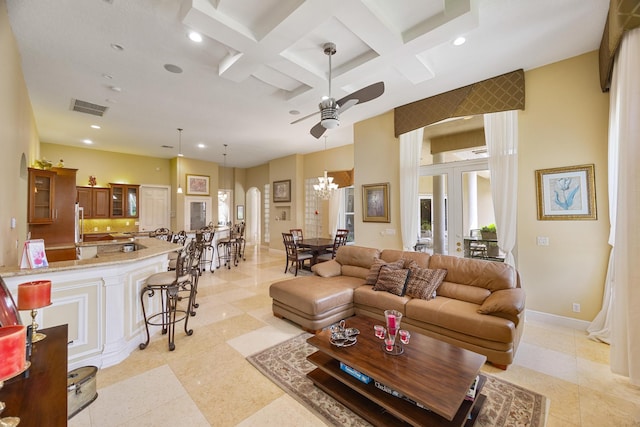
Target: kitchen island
{"x": 98, "y": 298}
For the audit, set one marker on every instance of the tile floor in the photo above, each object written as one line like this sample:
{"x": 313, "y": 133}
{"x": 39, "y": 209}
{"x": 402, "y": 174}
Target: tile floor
{"x": 207, "y": 381}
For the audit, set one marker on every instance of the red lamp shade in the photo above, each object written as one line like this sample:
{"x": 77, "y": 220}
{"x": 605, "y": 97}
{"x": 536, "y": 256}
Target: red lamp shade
{"x": 12, "y": 351}
{"x": 32, "y": 295}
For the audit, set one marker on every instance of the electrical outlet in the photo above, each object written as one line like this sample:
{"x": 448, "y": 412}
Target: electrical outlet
{"x": 542, "y": 241}
{"x": 576, "y": 307}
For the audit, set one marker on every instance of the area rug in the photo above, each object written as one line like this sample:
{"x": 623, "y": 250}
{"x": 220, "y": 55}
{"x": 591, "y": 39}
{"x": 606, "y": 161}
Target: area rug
{"x": 286, "y": 365}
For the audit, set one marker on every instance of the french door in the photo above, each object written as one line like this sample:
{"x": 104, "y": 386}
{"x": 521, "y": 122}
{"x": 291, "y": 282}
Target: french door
{"x": 460, "y": 194}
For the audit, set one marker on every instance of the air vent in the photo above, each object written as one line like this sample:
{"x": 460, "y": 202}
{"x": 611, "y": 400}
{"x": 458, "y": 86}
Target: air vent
{"x": 88, "y": 107}
{"x": 166, "y": 146}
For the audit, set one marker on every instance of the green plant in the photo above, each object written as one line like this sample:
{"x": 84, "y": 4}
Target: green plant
{"x": 491, "y": 228}
{"x": 425, "y": 226}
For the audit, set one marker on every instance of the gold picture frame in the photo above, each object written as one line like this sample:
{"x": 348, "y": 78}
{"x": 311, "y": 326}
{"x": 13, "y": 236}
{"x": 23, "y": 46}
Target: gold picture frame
{"x": 197, "y": 185}
{"x": 375, "y": 203}
{"x": 566, "y": 193}
{"x": 282, "y": 191}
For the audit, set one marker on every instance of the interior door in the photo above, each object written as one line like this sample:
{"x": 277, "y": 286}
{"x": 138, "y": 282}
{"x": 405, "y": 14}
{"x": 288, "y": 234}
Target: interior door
{"x": 461, "y": 201}
{"x": 154, "y": 207}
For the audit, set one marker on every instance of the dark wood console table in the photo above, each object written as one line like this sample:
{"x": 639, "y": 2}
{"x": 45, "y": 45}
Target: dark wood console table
{"x": 39, "y": 396}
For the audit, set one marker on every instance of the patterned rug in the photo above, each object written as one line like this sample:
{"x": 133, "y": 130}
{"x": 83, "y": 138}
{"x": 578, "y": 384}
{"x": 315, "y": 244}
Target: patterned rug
{"x": 286, "y": 365}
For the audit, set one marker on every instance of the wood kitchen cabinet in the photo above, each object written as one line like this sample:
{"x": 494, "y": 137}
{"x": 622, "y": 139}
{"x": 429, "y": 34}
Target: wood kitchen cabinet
{"x": 95, "y": 201}
{"x": 52, "y": 213}
{"x": 41, "y": 196}
{"x": 124, "y": 200}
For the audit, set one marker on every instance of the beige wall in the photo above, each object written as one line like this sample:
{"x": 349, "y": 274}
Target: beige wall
{"x": 377, "y": 158}
{"x": 564, "y": 123}
{"x": 19, "y": 142}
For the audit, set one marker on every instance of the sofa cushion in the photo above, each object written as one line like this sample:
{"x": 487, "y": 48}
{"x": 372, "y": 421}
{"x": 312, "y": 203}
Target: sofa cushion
{"x": 356, "y": 260}
{"x": 508, "y": 301}
{"x": 463, "y": 292}
{"x": 461, "y": 316}
{"x": 392, "y": 280}
{"x": 420, "y": 258}
{"x": 373, "y": 301}
{"x": 475, "y": 272}
{"x": 374, "y": 271}
{"x": 330, "y": 268}
{"x": 423, "y": 282}
{"x": 307, "y": 295}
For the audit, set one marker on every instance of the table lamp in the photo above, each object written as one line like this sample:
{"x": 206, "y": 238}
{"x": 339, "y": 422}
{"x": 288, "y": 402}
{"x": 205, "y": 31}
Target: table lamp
{"x": 13, "y": 351}
{"x": 31, "y": 296}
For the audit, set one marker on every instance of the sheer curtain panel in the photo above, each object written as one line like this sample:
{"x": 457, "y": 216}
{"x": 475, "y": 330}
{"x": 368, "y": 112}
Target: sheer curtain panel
{"x": 620, "y": 314}
{"x": 501, "y": 132}
{"x": 410, "y": 150}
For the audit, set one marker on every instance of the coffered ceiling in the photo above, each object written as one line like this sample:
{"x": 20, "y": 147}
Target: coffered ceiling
{"x": 261, "y": 61}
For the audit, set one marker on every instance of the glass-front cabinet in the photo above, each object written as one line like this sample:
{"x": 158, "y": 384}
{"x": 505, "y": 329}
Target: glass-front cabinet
{"x": 41, "y": 196}
{"x": 124, "y": 200}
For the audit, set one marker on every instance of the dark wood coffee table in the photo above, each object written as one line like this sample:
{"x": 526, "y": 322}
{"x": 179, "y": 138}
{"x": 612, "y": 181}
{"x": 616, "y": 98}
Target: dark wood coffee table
{"x": 433, "y": 373}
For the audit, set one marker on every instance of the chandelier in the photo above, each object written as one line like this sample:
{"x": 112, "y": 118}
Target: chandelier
{"x": 325, "y": 185}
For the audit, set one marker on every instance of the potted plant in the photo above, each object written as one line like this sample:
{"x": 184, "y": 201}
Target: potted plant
{"x": 489, "y": 232}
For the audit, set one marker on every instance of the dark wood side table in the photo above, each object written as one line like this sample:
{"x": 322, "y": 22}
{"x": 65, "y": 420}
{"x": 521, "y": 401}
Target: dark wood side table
{"x": 39, "y": 396}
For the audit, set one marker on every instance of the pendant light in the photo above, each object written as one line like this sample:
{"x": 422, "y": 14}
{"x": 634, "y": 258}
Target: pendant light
{"x": 325, "y": 185}
{"x": 178, "y": 160}
{"x": 222, "y": 196}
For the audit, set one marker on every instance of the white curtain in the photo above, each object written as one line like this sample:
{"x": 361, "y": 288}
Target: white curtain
{"x": 501, "y": 133}
{"x": 336, "y": 207}
{"x": 410, "y": 150}
{"x": 620, "y": 317}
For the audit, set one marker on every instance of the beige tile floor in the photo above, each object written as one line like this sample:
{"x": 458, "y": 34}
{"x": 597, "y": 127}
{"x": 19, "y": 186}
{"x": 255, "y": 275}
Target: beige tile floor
{"x": 207, "y": 381}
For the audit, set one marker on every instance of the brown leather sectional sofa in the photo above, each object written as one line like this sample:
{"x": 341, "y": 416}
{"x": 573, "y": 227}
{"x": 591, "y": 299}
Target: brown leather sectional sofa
{"x": 479, "y": 306}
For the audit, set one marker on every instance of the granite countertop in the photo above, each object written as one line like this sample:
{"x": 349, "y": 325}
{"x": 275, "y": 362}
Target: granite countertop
{"x": 152, "y": 248}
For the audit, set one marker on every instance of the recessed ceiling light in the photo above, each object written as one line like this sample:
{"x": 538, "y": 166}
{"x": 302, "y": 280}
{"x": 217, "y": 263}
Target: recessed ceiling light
{"x": 294, "y": 112}
{"x": 172, "y": 68}
{"x": 95, "y": 126}
{"x": 459, "y": 41}
{"x": 202, "y": 145}
{"x": 195, "y": 37}
{"x": 115, "y": 88}
{"x": 87, "y": 141}
{"x": 117, "y": 47}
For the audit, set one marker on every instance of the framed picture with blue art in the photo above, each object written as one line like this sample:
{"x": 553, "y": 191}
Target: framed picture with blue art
{"x": 566, "y": 193}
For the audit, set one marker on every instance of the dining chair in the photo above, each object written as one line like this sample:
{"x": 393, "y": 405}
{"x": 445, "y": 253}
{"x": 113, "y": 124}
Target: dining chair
{"x": 295, "y": 258}
{"x": 297, "y": 233}
{"x": 339, "y": 240}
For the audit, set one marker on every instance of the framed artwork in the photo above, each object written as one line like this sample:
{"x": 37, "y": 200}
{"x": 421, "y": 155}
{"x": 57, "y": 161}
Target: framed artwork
{"x": 375, "y": 203}
{"x": 566, "y": 193}
{"x": 240, "y": 212}
{"x": 282, "y": 191}
{"x": 197, "y": 185}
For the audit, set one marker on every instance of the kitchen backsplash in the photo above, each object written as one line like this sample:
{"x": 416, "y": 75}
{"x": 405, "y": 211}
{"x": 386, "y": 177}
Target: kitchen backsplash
{"x": 110, "y": 225}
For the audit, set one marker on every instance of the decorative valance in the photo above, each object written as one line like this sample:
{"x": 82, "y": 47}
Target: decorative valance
{"x": 624, "y": 15}
{"x": 500, "y": 93}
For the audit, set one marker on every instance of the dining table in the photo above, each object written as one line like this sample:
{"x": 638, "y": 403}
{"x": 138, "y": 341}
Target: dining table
{"x": 315, "y": 245}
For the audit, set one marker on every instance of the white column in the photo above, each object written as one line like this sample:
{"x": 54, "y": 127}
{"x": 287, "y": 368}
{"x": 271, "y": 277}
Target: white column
{"x": 439, "y": 213}
{"x": 471, "y": 203}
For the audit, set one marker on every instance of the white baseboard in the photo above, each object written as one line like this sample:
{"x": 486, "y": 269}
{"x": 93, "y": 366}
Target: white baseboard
{"x": 554, "y": 319}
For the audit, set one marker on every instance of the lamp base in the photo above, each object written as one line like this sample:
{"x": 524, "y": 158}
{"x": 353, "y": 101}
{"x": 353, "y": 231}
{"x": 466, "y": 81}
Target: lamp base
{"x": 37, "y": 336}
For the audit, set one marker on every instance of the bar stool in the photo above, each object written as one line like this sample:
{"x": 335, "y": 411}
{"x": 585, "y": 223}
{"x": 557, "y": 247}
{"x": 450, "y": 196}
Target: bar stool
{"x": 228, "y": 249}
{"x": 204, "y": 237}
{"x": 168, "y": 285}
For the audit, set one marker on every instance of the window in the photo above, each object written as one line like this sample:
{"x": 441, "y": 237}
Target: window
{"x": 312, "y": 220}
{"x": 267, "y": 197}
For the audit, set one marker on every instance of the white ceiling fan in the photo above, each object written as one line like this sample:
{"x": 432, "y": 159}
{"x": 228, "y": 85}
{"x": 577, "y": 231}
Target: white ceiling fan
{"x": 330, "y": 109}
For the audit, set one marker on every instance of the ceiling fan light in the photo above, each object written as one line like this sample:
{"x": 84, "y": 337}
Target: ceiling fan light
{"x": 330, "y": 123}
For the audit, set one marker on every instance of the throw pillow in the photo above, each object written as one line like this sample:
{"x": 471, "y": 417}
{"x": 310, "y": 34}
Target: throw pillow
{"x": 372, "y": 276}
{"x": 423, "y": 282}
{"x": 329, "y": 268}
{"x": 392, "y": 280}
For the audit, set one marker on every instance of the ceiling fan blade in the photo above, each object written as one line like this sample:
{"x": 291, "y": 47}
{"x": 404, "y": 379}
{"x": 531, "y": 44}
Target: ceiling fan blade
{"x": 350, "y": 103}
{"x": 365, "y": 94}
{"x": 303, "y": 118}
{"x": 317, "y": 130}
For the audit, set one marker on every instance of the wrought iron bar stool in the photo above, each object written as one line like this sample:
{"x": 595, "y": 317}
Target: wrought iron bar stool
{"x": 204, "y": 237}
{"x": 228, "y": 248}
{"x": 168, "y": 285}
